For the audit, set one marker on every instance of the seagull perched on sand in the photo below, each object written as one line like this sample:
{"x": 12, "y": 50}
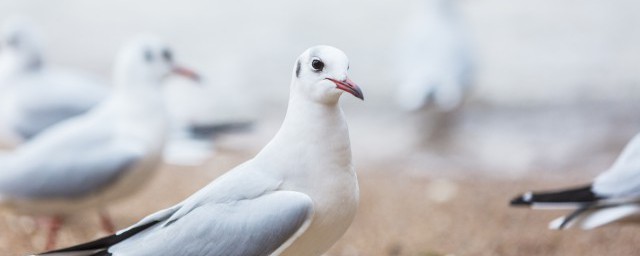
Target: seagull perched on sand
{"x": 33, "y": 95}
{"x": 614, "y": 195}
{"x": 434, "y": 58}
{"x": 192, "y": 144}
{"x": 106, "y": 154}
{"x": 295, "y": 197}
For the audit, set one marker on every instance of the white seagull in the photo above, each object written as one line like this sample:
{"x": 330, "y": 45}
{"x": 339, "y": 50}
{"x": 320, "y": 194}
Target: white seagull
{"x": 33, "y": 95}
{"x": 200, "y": 115}
{"x": 613, "y": 196}
{"x": 191, "y": 144}
{"x": 106, "y": 154}
{"x": 295, "y": 197}
{"x": 434, "y": 58}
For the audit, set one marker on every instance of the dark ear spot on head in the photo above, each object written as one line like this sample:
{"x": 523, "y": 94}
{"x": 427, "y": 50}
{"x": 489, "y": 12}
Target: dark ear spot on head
{"x": 167, "y": 55}
{"x": 298, "y": 69}
{"x": 148, "y": 56}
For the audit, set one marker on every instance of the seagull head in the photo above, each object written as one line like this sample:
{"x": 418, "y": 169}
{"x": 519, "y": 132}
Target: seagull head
{"x": 20, "y": 45}
{"x": 321, "y": 74}
{"x": 148, "y": 60}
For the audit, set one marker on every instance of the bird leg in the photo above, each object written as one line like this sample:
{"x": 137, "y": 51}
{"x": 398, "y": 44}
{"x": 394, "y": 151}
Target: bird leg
{"x": 105, "y": 221}
{"x": 55, "y": 223}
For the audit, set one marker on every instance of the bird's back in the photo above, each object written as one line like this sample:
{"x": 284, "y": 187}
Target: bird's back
{"x": 49, "y": 97}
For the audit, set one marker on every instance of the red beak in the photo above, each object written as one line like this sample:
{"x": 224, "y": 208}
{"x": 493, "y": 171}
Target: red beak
{"x": 348, "y": 86}
{"x": 188, "y": 73}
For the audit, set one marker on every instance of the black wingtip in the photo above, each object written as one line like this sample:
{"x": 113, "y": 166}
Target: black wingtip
{"x": 582, "y": 194}
{"x": 522, "y": 200}
{"x": 100, "y": 246}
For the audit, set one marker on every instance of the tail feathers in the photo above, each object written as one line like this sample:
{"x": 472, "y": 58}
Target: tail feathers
{"x": 593, "y": 218}
{"x": 101, "y": 246}
{"x": 560, "y": 223}
{"x": 209, "y": 131}
{"x": 571, "y": 198}
{"x": 569, "y": 220}
{"x": 79, "y": 253}
{"x": 608, "y": 215}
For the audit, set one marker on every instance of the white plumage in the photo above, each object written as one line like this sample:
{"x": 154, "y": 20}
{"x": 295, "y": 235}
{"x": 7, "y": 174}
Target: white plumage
{"x": 434, "y": 63}
{"x": 33, "y": 95}
{"x": 295, "y": 197}
{"x": 110, "y": 152}
{"x": 613, "y": 196}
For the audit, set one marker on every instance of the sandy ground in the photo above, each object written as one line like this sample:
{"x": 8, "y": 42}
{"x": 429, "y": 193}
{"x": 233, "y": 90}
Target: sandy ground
{"x": 419, "y": 197}
{"x": 400, "y": 214}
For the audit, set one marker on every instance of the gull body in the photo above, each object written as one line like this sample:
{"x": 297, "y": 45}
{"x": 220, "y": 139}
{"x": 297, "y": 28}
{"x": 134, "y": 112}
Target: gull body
{"x": 108, "y": 153}
{"x": 201, "y": 115}
{"x": 434, "y": 58}
{"x": 613, "y": 195}
{"x": 33, "y": 95}
{"x": 297, "y": 196}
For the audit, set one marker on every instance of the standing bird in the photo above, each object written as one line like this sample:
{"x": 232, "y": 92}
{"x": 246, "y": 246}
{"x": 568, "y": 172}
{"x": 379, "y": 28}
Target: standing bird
{"x": 614, "y": 195}
{"x": 106, "y": 154}
{"x": 34, "y": 96}
{"x": 191, "y": 144}
{"x": 295, "y": 197}
{"x": 434, "y": 58}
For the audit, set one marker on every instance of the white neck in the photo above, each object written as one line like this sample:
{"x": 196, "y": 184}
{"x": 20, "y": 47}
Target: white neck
{"x": 11, "y": 67}
{"x": 141, "y": 112}
{"x": 313, "y": 136}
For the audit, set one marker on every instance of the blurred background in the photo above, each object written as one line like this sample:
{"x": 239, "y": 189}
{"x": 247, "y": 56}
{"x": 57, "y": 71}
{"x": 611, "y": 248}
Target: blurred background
{"x": 554, "y": 94}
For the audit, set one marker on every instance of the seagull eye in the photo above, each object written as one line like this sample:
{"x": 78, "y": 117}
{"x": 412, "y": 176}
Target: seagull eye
{"x": 317, "y": 65}
{"x": 167, "y": 55}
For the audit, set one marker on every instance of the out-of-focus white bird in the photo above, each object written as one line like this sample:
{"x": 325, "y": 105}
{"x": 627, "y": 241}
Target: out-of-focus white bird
{"x": 613, "y": 196}
{"x": 34, "y": 96}
{"x": 434, "y": 58}
{"x": 106, "y": 154}
{"x": 296, "y": 197}
{"x": 191, "y": 144}
{"x": 201, "y": 115}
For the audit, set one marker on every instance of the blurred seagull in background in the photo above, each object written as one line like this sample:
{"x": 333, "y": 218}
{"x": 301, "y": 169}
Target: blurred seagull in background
{"x": 195, "y": 125}
{"x": 34, "y": 96}
{"x": 201, "y": 115}
{"x": 191, "y": 144}
{"x": 295, "y": 197}
{"x": 434, "y": 58}
{"x": 106, "y": 154}
{"x": 614, "y": 195}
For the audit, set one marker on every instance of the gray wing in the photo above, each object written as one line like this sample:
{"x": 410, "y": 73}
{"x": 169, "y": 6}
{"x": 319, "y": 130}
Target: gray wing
{"x": 623, "y": 178}
{"x": 66, "y": 170}
{"x": 35, "y": 120}
{"x": 45, "y": 101}
{"x": 256, "y": 226}
{"x": 100, "y": 246}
